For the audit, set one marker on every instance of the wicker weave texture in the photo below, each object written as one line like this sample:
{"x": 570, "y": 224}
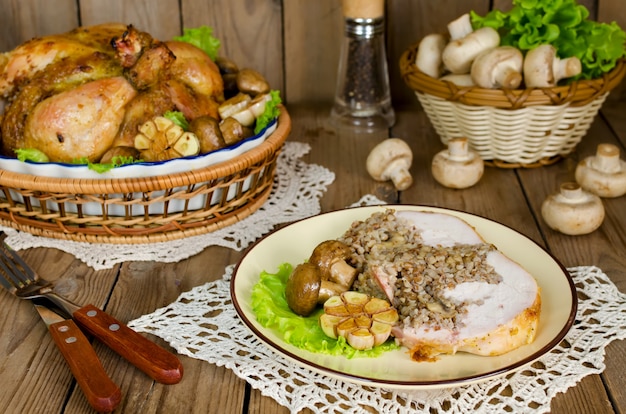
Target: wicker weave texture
{"x": 519, "y": 136}
{"x": 148, "y": 209}
{"x": 511, "y": 128}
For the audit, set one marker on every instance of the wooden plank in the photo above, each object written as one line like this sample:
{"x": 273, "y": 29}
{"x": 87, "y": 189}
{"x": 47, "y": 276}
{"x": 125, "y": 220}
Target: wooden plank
{"x": 313, "y": 35}
{"x": 22, "y": 20}
{"x": 30, "y": 358}
{"x": 609, "y": 11}
{"x": 161, "y": 18}
{"x": 143, "y": 287}
{"x": 250, "y": 33}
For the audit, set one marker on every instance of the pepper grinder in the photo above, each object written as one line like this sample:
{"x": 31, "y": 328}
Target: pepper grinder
{"x": 362, "y": 97}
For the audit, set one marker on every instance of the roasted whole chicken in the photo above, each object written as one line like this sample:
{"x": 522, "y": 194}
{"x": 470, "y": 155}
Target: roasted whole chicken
{"x": 80, "y": 94}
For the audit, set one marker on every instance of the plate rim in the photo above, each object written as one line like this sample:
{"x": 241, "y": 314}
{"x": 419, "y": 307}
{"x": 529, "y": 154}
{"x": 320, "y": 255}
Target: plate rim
{"x": 402, "y": 384}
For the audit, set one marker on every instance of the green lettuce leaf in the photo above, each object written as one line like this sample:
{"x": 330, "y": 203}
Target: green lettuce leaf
{"x": 178, "y": 118}
{"x": 203, "y": 38}
{"x": 563, "y": 24}
{"x": 31, "y": 154}
{"x": 270, "y": 113}
{"x": 100, "y": 168}
{"x": 271, "y": 310}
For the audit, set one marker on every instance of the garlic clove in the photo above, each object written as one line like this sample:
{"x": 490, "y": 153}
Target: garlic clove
{"x": 457, "y": 166}
{"x": 604, "y": 173}
{"x": 573, "y": 211}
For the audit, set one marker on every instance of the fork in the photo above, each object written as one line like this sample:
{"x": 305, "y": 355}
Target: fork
{"x": 158, "y": 363}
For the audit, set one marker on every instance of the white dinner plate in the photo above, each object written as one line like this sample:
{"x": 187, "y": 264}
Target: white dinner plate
{"x": 394, "y": 369}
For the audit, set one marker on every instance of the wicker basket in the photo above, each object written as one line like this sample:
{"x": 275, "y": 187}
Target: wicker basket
{"x": 211, "y": 198}
{"x": 511, "y": 128}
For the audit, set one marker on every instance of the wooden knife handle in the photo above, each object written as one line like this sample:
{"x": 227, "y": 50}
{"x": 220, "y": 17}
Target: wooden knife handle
{"x": 158, "y": 363}
{"x": 100, "y": 390}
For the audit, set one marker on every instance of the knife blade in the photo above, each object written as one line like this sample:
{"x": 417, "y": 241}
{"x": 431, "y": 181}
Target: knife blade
{"x": 101, "y": 392}
{"x": 157, "y": 362}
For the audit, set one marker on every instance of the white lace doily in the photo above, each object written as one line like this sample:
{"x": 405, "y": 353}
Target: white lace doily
{"x": 219, "y": 337}
{"x": 298, "y": 186}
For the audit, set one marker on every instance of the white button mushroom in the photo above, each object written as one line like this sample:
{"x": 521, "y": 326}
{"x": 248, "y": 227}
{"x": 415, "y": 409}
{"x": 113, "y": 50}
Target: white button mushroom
{"x": 391, "y": 160}
{"x": 428, "y": 58}
{"x": 459, "y": 54}
{"x": 457, "y": 166}
{"x": 543, "y": 69}
{"x": 603, "y": 174}
{"x": 573, "y": 211}
{"x": 500, "y": 67}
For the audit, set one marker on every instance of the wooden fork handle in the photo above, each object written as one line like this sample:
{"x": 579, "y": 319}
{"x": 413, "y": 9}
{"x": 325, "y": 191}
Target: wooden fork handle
{"x": 160, "y": 364}
{"x": 101, "y": 392}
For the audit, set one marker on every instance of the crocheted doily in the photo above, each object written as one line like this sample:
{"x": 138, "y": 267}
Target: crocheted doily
{"x": 219, "y": 337}
{"x": 298, "y": 186}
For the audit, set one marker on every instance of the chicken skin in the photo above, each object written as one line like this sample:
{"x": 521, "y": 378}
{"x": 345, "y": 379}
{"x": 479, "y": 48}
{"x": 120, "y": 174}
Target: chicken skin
{"x": 77, "y": 94}
{"x": 36, "y": 54}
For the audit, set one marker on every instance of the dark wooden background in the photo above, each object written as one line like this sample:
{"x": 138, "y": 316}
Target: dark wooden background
{"x": 295, "y": 43}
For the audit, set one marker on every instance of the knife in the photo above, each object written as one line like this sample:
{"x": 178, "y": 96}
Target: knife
{"x": 160, "y": 364}
{"x": 101, "y": 392}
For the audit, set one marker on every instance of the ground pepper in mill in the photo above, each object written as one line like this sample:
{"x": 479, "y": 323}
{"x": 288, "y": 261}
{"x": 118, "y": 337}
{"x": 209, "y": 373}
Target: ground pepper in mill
{"x": 362, "y": 98}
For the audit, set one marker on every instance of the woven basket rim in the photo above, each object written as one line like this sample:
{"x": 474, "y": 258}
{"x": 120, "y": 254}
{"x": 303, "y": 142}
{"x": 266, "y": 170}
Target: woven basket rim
{"x": 577, "y": 93}
{"x": 121, "y": 185}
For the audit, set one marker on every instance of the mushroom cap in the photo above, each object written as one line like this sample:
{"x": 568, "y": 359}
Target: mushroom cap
{"x": 457, "y": 166}
{"x": 573, "y": 211}
{"x": 543, "y": 68}
{"x": 428, "y": 58}
{"x": 500, "y": 67}
{"x": 538, "y": 66}
{"x": 326, "y": 254}
{"x": 302, "y": 288}
{"x": 459, "y": 54}
{"x": 391, "y": 159}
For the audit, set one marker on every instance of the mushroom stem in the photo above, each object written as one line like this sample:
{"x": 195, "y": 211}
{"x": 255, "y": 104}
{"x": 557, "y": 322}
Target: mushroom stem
{"x": 399, "y": 174}
{"x": 607, "y": 158}
{"x": 604, "y": 173}
{"x": 342, "y": 273}
{"x": 460, "y": 27}
{"x": 329, "y": 289}
{"x": 566, "y": 68}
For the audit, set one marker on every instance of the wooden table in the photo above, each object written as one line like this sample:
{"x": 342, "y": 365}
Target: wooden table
{"x": 34, "y": 376}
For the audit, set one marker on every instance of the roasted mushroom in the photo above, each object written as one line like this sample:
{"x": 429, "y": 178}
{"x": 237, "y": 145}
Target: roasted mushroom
{"x": 252, "y": 82}
{"x": 233, "y": 131}
{"x": 207, "y": 129}
{"x": 305, "y": 289}
{"x": 330, "y": 256}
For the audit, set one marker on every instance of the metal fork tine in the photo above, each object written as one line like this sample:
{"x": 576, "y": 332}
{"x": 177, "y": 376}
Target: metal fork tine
{"x": 14, "y": 267}
{"x": 4, "y": 280}
{"x": 8, "y": 272}
{"x": 24, "y": 271}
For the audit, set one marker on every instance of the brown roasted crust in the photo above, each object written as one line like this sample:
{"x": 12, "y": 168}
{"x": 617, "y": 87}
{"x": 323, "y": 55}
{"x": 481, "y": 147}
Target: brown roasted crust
{"x": 521, "y": 330}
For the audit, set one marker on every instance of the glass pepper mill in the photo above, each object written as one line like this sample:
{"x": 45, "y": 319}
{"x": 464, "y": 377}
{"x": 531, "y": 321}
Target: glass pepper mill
{"x": 362, "y": 97}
